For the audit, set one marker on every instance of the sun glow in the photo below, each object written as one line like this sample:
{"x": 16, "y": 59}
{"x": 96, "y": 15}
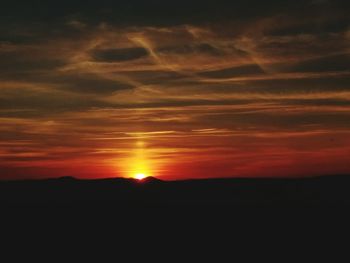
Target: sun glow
{"x": 140, "y": 162}
{"x": 140, "y": 176}
{"x": 139, "y": 166}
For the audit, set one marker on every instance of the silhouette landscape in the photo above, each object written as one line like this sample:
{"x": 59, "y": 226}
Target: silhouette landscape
{"x": 68, "y": 191}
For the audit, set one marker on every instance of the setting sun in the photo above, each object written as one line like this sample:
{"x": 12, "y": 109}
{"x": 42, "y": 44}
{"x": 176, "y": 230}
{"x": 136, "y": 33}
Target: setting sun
{"x": 140, "y": 176}
{"x": 139, "y": 165}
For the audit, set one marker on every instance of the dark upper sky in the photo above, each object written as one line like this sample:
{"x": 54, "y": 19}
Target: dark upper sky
{"x": 158, "y": 12}
{"x": 174, "y": 89}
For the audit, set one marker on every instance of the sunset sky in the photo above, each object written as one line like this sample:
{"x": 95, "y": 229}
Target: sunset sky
{"x": 174, "y": 89}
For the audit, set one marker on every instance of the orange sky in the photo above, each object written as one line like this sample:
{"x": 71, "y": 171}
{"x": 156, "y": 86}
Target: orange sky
{"x": 260, "y": 95}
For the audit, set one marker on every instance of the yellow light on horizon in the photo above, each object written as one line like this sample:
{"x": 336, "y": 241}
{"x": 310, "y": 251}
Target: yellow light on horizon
{"x": 139, "y": 163}
{"x": 140, "y": 176}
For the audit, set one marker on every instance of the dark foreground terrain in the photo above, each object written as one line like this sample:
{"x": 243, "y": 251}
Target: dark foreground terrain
{"x": 69, "y": 191}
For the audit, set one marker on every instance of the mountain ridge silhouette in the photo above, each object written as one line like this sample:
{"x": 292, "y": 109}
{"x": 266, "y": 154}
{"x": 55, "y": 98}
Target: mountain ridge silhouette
{"x": 153, "y": 191}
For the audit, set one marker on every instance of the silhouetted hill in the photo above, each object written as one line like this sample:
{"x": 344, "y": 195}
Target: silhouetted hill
{"x": 152, "y": 191}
